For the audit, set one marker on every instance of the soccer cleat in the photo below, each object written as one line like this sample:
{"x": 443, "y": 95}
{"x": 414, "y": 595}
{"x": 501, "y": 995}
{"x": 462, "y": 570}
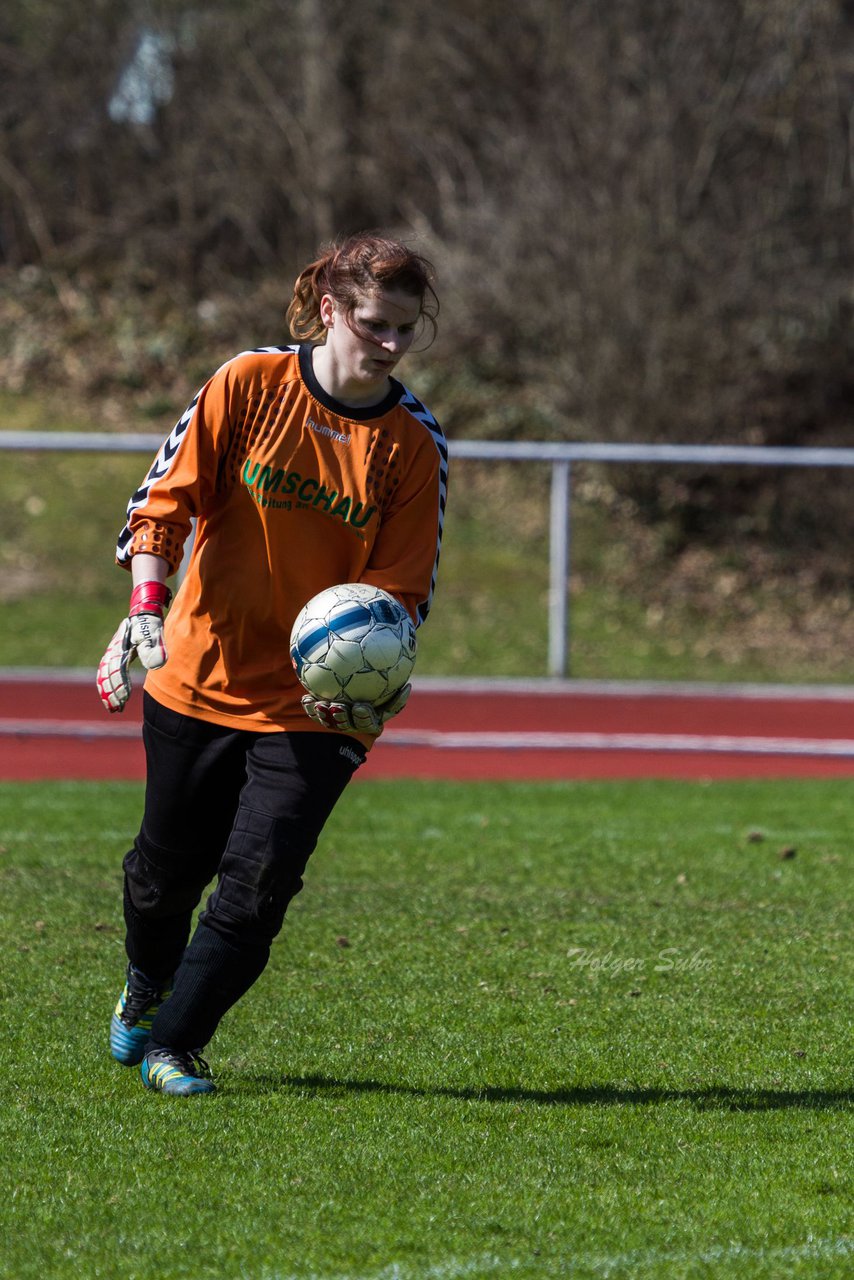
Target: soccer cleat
{"x": 130, "y": 1026}
{"x": 176, "y": 1072}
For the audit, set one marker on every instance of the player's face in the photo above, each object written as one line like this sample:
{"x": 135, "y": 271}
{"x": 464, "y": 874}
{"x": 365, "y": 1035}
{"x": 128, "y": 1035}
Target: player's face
{"x": 366, "y": 346}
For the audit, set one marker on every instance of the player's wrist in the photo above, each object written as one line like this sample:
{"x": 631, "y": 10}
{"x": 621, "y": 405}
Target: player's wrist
{"x": 149, "y": 597}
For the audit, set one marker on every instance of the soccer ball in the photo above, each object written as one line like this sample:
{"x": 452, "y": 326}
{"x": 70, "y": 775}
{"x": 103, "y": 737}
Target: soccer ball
{"x": 353, "y": 643}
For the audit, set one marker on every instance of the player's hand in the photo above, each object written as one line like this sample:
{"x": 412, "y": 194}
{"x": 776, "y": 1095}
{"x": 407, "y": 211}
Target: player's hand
{"x": 140, "y": 635}
{"x": 355, "y": 717}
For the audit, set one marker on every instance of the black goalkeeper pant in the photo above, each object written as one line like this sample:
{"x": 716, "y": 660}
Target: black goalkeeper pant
{"x": 246, "y": 809}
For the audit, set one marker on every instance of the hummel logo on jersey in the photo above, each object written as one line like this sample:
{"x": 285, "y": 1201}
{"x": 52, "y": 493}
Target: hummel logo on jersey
{"x": 322, "y": 430}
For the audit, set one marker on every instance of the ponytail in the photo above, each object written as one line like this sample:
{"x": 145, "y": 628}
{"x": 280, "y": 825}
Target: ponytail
{"x": 303, "y": 314}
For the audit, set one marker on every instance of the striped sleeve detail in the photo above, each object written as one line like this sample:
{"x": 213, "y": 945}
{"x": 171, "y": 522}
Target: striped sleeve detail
{"x": 159, "y": 468}
{"x": 423, "y": 415}
{"x": 162, "y": 463}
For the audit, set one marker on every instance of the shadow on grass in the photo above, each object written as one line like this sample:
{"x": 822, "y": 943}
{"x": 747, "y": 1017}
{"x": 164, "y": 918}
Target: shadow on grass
{"x": 714, "y": 1098}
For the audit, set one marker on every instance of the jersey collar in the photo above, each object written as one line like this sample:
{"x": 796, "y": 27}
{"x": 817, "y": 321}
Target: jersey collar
{"x": 359, "y": 414}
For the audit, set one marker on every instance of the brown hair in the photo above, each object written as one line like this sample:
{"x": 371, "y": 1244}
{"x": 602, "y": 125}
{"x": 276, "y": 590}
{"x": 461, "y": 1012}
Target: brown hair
{"x": 349, "y": 269}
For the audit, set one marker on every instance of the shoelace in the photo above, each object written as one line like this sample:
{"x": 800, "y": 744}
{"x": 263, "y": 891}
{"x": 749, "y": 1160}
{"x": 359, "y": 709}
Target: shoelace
{"x": 187, "y": 1062}
{"x": 139, "y": 997}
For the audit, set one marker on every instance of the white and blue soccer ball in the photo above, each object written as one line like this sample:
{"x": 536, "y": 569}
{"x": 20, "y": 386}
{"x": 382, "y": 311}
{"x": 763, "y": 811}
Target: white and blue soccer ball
{"x": 353, "y": 643}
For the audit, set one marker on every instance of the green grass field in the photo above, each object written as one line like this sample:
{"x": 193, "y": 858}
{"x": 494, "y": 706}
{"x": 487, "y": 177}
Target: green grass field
{"x": 586, "y": 1030}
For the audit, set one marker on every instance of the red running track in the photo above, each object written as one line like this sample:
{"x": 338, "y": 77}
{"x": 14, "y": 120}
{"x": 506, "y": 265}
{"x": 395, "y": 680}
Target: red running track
{"x": 52, "y": 727}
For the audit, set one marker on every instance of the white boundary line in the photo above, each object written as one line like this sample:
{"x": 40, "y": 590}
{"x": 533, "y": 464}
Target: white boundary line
{"x": 605, "y": 1265}
{"x": 35, "y": 728}
{"x": 705, "y": 744}
{"x": 681, "y": 742}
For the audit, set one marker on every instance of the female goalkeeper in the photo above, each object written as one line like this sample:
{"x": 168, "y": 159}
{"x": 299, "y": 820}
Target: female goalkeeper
{"x": 303, "y": 466}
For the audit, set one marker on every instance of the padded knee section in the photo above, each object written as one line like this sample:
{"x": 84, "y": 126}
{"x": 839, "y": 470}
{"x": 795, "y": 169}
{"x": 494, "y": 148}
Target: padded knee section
{"x": 161, "y": 882}
{"x": 260, "y": 874}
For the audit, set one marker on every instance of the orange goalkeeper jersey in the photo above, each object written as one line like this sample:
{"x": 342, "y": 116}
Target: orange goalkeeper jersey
{"x": 292, "y": 492}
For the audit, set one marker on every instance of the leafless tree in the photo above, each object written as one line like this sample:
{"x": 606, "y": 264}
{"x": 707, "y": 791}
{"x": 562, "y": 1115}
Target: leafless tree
{"x": 642, "y": 210}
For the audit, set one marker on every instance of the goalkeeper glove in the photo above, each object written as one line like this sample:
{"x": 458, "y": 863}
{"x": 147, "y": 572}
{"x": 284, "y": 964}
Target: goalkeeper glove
{"x": 355, "y": 717}
{"x": 139, "y": 636}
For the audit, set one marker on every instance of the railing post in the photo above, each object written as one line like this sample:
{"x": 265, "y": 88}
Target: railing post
{"x": 559, "y": 568}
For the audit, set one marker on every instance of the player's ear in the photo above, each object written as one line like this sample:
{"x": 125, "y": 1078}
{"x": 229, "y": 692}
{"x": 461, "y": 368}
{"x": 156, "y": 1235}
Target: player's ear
{"x": 327, "y": 310}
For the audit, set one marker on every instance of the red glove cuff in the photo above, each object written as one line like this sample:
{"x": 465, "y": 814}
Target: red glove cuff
{"x": 149, "y": 597}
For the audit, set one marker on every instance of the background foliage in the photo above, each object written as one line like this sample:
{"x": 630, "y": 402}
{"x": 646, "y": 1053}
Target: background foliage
{"x": 640, "y": 212}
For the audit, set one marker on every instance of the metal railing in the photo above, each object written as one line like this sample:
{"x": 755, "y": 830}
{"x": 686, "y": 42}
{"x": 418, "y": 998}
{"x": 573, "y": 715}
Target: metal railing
{"x": 559, "y": 456}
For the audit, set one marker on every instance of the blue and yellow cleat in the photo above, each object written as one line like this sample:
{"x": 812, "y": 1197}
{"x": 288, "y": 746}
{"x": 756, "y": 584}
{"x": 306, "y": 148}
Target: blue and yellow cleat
{"x": 176, "y": 1072}
{"x": 130, "y": 1025}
